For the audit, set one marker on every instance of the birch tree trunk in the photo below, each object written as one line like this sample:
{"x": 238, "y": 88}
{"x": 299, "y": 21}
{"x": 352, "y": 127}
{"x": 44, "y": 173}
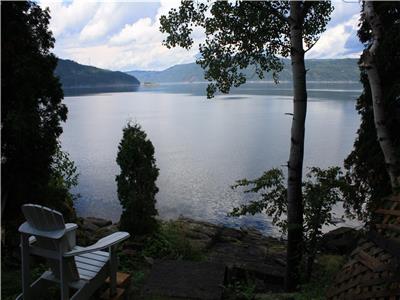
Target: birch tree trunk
{"x": 295, "y": 163}
{"x": 368, "y": 61}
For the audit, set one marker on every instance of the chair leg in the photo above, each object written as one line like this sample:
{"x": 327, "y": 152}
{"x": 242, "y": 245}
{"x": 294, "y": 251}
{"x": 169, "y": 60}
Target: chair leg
{"x": 63, "y": 279}
{"x": 113, "y": 270}
{"x": 25, "y": 266}
{"x": 37, "y": 289}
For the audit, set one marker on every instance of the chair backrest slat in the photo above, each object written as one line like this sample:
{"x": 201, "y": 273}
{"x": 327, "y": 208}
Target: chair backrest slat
{"x": 43, "y": 218}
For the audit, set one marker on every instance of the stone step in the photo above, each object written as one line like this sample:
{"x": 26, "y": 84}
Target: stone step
{"x": 123, "y": 279}
{"x": 118, "y": 296}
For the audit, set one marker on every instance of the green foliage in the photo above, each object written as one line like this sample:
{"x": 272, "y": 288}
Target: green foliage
{"x": 137, "y": 181}
{"x": 240, "y": 34}
{"x": 32, "y": 110}
{"x": 138, "y": 278}
{"x": 325, "y": 271}
{"x": 273, "y": 192}
{"x": 64, "y": 176}
{"x": 241, "y": 290}
{"x": 365, "y": 165}
{"x": 64, "y": 172}
{"x": 321, "y": 190}
{"x": 170, "y": 242}
{"x": 11, "y": 279}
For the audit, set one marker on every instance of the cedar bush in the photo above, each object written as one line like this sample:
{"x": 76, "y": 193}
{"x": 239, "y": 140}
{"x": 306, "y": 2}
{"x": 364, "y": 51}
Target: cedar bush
{"x": 137, "y": 181}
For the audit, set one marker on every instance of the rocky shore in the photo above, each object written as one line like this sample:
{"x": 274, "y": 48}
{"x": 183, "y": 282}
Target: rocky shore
{"x": 245, "y": 252}
{"x": 91, "y": 229}
{"x": 225, "y": 243}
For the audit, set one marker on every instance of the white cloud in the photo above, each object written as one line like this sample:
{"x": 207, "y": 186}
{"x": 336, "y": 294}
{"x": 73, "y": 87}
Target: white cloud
{"x": 332, "y": 43}
{"x": 141, "y": 31}
{"x": 141, "y": 44}
{"x": 106, "y": 18}
{"x": 126, "y": 36}
{"x": 136, "y": 45}
{"x": 70, "y": 17}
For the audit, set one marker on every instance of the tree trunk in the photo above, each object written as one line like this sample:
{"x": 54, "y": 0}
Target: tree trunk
{"x": 295, "y": 163}
{"x": 368, "y": 61}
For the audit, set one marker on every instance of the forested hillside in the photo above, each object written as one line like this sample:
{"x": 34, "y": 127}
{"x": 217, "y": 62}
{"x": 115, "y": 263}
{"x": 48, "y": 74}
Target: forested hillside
{"x": 319, "y": 70}
{"x": 74, "y": 75}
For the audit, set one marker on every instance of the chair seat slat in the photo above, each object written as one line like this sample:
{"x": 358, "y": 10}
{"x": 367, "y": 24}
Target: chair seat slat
{"x": 84, "y": 277}
{"x": 92, "y": 268}
{"x": 96, "y": 255}
{"x": 88, "y": 261}
{"x": 87, "y": 273}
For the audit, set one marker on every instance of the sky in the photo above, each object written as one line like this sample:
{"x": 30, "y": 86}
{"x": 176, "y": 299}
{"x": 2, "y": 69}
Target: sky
{"x": 125, "y": 35}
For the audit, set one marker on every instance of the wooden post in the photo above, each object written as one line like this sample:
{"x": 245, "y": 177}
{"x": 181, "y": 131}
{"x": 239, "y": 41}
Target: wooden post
{"x": 113, "y": 270}
{"x": 25, "y": 266}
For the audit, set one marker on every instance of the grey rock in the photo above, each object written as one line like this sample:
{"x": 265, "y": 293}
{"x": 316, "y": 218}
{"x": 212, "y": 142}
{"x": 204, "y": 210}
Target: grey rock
{"x": 340, "y": 241}
{"x": 104, "y": 231}
{"x": 246, "y": 249}
{"x": 89, "y": 226}
{"x": 98, "y": 221}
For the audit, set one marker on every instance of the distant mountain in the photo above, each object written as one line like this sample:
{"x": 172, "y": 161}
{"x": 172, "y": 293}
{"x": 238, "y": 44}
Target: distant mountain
{"x": 319, "y": 70}
{"x": 76, "y": 76}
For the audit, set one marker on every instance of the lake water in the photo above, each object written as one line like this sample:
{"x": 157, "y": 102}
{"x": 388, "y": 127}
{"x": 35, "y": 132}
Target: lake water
{"x": 202, "y": 146}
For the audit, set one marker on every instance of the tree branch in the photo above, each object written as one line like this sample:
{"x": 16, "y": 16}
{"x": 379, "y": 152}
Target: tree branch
{"x": 277, "y": 13}
{"x": 312, "y": 45}
{"x": 375, "y": 23}
{"x": 306, "y": 7}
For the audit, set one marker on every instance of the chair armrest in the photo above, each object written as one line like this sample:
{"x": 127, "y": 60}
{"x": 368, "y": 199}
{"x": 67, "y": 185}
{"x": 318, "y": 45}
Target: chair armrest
{"x": 32, "y": 240}
{"x": 70, "y": 234}
{"x": 70, "y": 226}
{"x": 105, "y": 242}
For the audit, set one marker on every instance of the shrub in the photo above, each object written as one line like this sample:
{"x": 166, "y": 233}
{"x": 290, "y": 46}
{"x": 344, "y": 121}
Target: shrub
{"x": 137, "y": 181}
{"x": 64, "y": 176}
{"x": 170, "y": 242}
{"x": 322, "y": 189}
{"x": 326, "y": 269}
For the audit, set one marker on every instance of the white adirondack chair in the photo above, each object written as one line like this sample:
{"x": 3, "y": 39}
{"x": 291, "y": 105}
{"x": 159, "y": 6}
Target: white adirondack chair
{"x": 83, "y": 269}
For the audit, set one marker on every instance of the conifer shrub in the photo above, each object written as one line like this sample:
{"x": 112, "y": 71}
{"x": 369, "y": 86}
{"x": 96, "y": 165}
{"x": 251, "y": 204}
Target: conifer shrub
{"x": 136, "y": 184}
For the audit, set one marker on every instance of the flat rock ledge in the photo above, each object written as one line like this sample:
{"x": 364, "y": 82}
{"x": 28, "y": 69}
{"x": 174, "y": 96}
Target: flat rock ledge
{"x": 244, "y": 252}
